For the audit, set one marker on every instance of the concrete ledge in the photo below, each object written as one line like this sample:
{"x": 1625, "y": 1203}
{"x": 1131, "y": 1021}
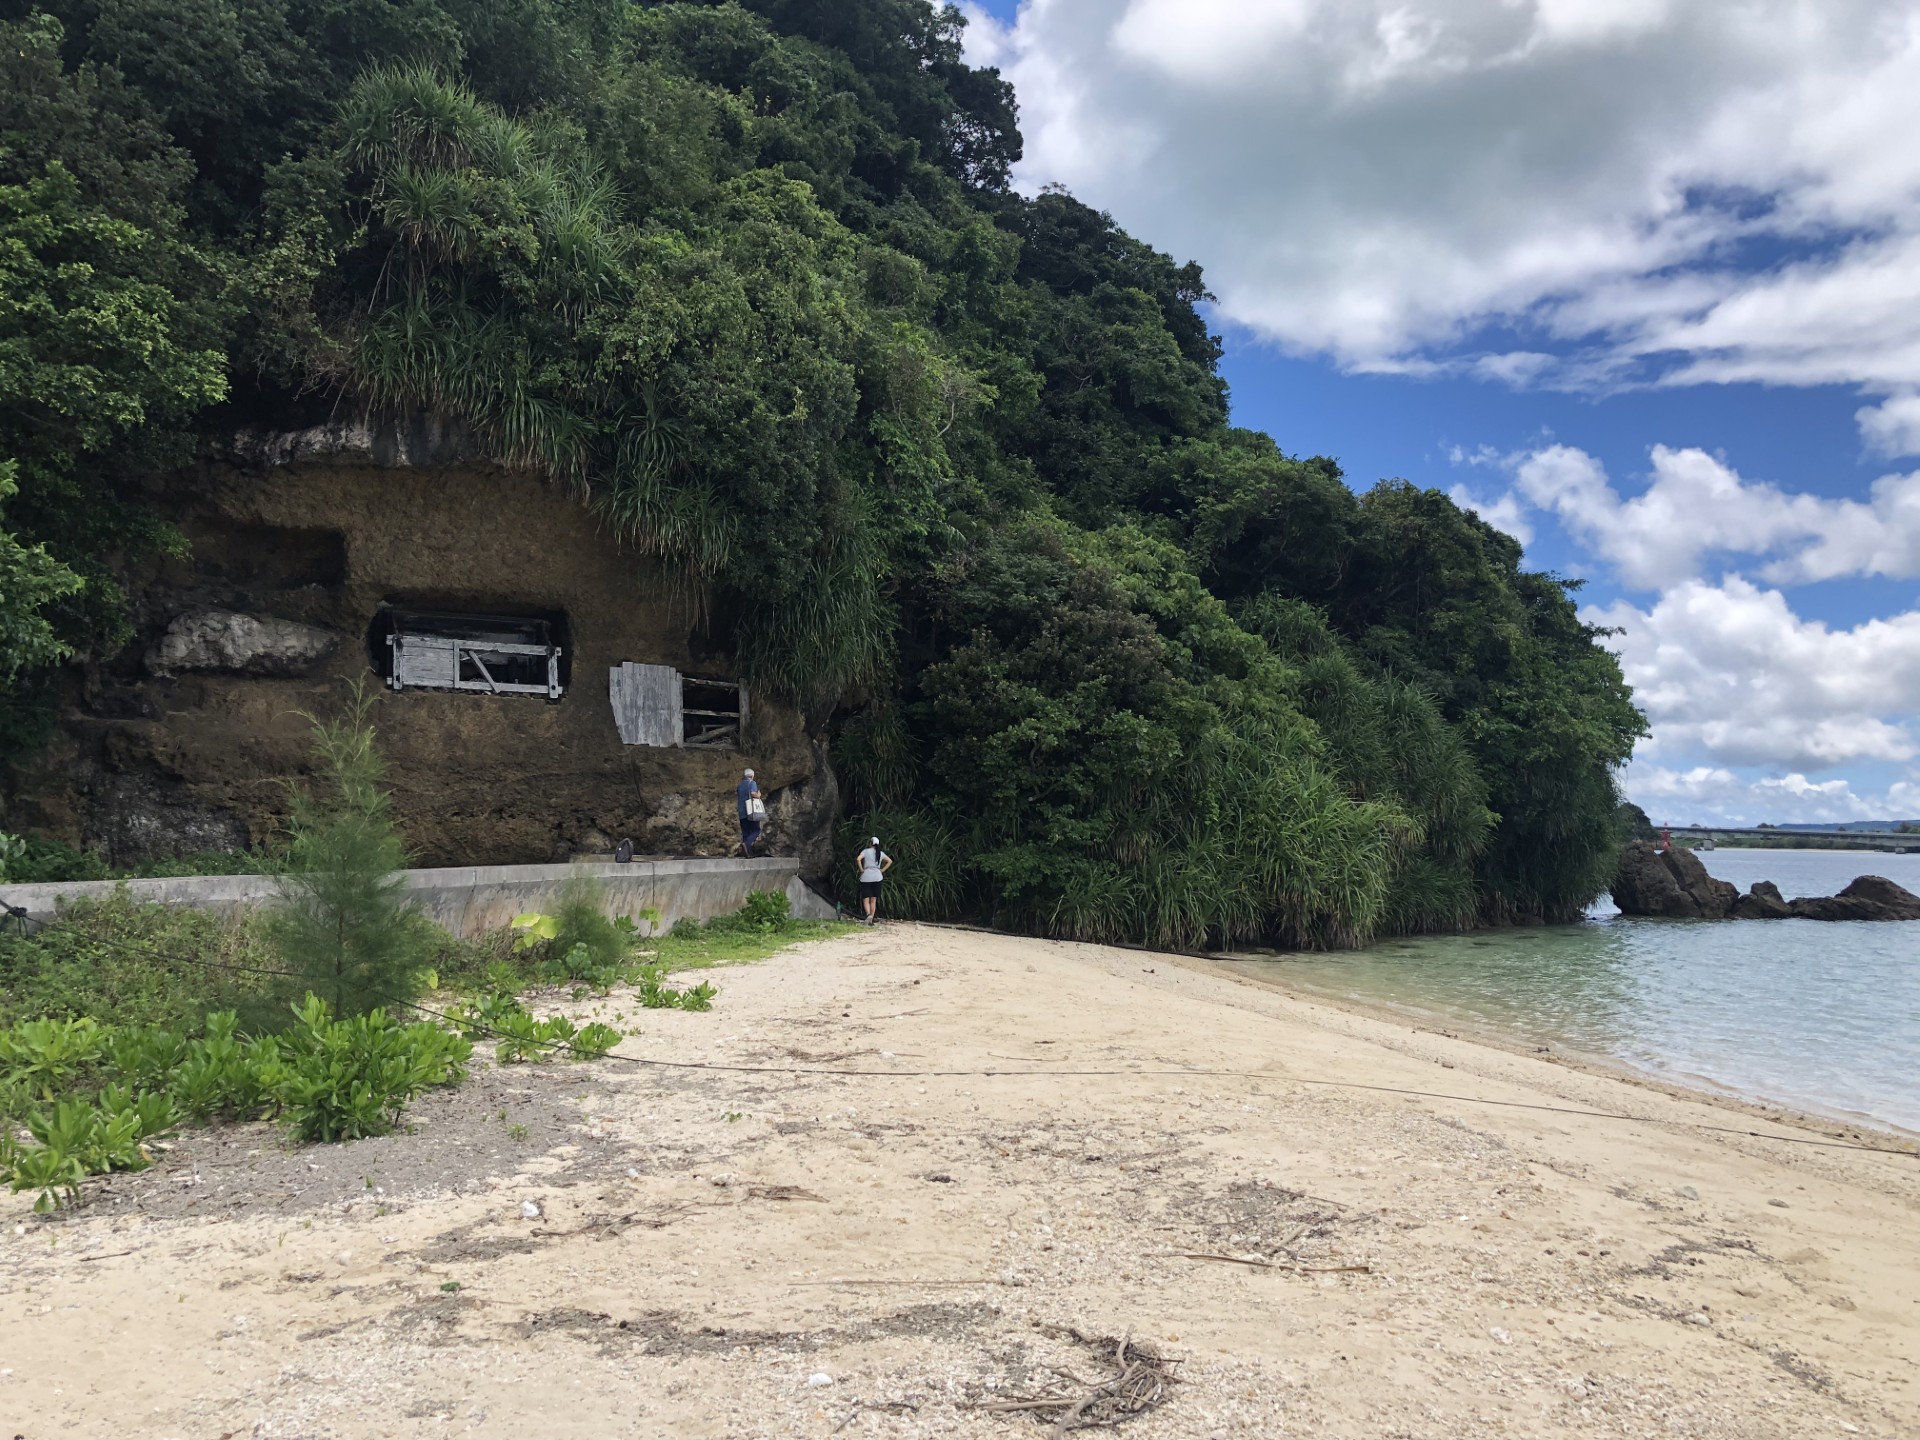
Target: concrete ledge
{"x": 471, "y": 900}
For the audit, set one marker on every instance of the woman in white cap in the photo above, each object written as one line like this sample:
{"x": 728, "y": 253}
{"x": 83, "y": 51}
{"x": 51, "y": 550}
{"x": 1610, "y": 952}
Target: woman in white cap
{"x": 874, "y": 864}
{"x": 753, "y": 811}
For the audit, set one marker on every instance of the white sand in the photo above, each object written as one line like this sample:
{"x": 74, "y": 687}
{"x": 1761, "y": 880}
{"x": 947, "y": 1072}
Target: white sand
{"x": 1528, "y": 1273}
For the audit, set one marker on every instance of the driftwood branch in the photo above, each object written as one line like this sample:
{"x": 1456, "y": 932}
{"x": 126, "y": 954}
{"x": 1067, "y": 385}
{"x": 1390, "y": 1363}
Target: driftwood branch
{"x": 1140, "y": 1383}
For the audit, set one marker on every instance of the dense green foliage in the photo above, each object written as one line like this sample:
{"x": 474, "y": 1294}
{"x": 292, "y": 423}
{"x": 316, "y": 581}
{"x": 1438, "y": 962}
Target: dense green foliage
{"x": 123, "y": 961}
{"x": 950, "y": 467}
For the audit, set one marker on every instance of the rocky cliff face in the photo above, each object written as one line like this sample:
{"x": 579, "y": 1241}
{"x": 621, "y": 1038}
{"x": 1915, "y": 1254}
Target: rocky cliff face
{"x": 187, "y": 740}
{"x": 1673, "y": 883}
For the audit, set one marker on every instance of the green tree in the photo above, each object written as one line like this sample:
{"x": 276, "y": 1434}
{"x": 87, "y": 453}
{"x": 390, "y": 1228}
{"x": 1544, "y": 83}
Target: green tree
{"x": 30, "y": 580}
{"x": 342, "y": 926}
{"x": 109, "y": 326}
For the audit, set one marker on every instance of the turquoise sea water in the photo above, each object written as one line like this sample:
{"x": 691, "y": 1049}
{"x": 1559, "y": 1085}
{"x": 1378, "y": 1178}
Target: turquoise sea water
{"x": 1819, "y": 1016}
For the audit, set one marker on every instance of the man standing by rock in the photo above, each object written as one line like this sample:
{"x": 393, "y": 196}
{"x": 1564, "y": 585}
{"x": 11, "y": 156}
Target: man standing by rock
{"x": 753, "y": 811}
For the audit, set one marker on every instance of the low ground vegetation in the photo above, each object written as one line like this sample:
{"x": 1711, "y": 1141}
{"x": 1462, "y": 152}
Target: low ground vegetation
{"x": 91, "y": 1096}
{"x": 124, "y": 1021}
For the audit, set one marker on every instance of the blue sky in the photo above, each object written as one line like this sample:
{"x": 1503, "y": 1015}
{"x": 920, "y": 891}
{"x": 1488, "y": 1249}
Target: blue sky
{"x": 1640, "y": 279}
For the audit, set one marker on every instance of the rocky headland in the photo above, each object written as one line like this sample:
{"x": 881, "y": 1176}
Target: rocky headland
{"x": 1675, "y": 884}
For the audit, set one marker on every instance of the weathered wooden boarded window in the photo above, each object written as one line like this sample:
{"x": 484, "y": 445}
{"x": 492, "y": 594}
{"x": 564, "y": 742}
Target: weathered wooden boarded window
{"x": 483, "y": 654}
{"x": 657, "y": 705}
{"x": 646, "y": 703}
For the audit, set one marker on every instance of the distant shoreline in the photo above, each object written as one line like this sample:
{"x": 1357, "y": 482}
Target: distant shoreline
{"x": 1786, "y": 842}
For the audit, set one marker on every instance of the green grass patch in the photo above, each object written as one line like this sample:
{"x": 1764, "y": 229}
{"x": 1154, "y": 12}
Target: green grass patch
{"x": 122, "y": 961}
{"x": 694, "y": 946}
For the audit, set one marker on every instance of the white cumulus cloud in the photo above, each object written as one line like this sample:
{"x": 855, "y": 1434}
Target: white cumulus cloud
{"x": 1696, "y": 510}
{"x": 1709, "y": 794}
{"x": 1730, "y": 673}
{"x": 1891, "y": 428}
{"x": 1701, "y": 189}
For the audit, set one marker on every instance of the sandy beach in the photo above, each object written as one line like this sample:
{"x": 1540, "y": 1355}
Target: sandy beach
{"x": 624, "y": 1250}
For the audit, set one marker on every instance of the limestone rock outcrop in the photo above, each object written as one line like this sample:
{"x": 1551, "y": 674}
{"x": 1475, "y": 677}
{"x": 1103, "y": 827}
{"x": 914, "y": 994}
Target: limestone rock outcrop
{"x": 1871, "y": 897}
{"x": 420, "y": 439}
{"x": 243, "y": 644}
{"x": 1762, "y": 902}
{"x": 1674, "y": 884}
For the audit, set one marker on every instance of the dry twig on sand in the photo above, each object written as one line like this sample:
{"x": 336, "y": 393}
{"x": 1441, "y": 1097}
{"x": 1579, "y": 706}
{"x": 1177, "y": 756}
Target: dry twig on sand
{"x": 1276, "y": 1265}
{"x": 611, "y": 1227}
{"x": 781, "y": 1192}
{"x": 1139, "y": 1384}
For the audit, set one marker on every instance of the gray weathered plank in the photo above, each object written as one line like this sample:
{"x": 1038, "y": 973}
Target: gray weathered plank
{"x": 646, "y": 703}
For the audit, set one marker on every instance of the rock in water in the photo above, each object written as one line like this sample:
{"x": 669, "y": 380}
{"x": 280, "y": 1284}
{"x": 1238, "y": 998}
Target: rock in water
{"x": 1672, "y": 883}
{"x": 1714, "y": 897}
{"x": 1871, "y": 897}
{"x": 1675, "y": 884}
{"x": 1882, "y": 891}
{"x": 1645, "y": 886}
{"x": 1762, "y": 902}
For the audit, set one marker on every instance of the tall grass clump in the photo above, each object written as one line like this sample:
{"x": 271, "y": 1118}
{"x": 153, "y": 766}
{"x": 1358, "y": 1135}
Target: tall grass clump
{"x": 342, "y": 927}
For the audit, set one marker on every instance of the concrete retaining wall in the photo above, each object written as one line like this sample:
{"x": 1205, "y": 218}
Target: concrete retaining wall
{"x": 470, "y": 900}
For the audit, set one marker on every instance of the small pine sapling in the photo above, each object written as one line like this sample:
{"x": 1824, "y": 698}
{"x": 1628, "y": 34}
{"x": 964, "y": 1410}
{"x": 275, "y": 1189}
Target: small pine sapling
{"x": 343, "y": 925}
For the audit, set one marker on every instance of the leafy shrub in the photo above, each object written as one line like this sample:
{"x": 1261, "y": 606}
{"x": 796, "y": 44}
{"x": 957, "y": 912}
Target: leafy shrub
{"x": 685, "y": 928}
{"x": 326, "y": 1078}
{"x": 220, "y": 1073}
{"x": 594, "y": 1041}
{"x": 34, "y": 860}
{"x": 579, "y": 943}
{"x": 766, "y": 912}
{"x": 43, "y": 1057}
{"x": 522, "y": 1038}
{"x": 13, "y": 853}
{"x": 583, "y": 932}
{"x": 344, "y": 1079}
{"x": 488, "y": 1015}
{"x": 38, "y": 860}
{"x": 76, "y": 1139}
{"x": 655, "y": 994}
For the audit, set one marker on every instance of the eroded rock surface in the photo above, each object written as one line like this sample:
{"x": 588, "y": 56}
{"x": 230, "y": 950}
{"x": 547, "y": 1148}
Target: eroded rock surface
{"x": 1871, "y": 897}
{"x": 1762, "y": 902}
{"x": 1674, "y": 884}
{"x": 1671, "y": 883}
{"x": 244, "y": 644}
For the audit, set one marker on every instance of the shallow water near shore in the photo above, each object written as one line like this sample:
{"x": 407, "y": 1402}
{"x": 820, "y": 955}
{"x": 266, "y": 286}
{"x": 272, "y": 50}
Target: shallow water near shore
{"x": 1818, "y": 1016}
